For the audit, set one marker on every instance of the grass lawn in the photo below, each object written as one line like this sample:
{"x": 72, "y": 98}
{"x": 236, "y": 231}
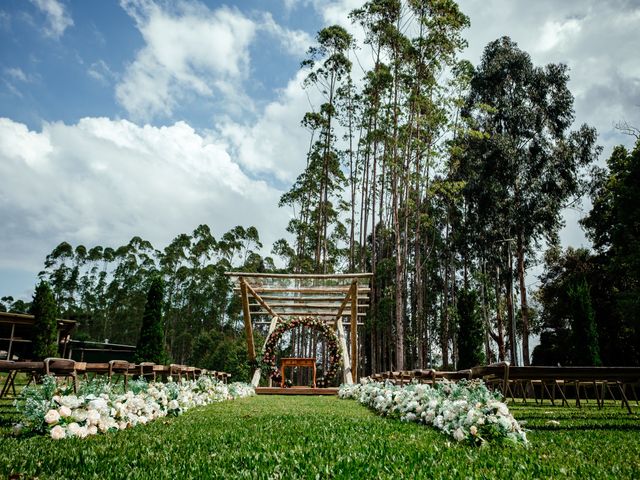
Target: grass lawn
{"x": 324, "y": 437}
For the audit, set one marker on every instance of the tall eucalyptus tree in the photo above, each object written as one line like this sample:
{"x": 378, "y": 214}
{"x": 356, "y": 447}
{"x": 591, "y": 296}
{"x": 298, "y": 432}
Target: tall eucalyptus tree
{"x": 528, "y": 165}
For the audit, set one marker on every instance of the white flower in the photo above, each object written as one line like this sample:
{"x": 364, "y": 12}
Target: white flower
{"x": 458, "y": 434}
{"x": 79, "y": 415}
{"x": 93, "y": 417}
{"x": 64, "y": 411}
{"x": 52, "y": 416}
{"x": 450, "y": 407}
{"x": 73, "y": 429}
{"x": 92, "y": 430}
{"x": 99, "y": 404}
{"x": 70, "y": 401}
{"x": 57, "y": 432}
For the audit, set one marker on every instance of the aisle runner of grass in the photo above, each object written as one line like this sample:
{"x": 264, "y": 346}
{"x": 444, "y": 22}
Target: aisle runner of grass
{"x": 323, "y": 437}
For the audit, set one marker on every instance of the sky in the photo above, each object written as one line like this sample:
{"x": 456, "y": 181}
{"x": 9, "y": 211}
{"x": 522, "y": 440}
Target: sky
{"x": 149, "y": 118}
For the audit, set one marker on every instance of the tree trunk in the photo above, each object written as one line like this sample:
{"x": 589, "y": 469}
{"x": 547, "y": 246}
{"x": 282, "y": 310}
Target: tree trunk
{"x": 510, "y": 314}
{"x": 524, "y": 308}
{"x": 499, "y": 326}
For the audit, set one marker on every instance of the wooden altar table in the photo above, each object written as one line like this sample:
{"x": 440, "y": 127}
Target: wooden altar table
{"x": 297, "y": 362}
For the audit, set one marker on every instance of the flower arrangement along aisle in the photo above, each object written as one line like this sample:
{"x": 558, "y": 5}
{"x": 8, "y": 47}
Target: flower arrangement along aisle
{"x": 99, "y": 407}
{"x": 333, "y": 352}
{"x": 467, "y": 410}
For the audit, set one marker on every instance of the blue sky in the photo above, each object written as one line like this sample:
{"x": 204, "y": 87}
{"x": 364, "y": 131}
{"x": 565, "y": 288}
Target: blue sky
{"x": 65, "y": 75}
{"x": 149, "y": 117}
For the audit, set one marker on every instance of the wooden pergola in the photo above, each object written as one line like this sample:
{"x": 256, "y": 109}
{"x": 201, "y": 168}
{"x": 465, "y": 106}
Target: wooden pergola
{"x": 338, "y": 299}
{"x": 17, "y": 331}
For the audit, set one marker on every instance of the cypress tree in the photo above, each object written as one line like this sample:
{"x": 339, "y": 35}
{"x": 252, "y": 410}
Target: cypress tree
{"x": 150, "y": 347}
{"x": 45, "y": 312}
{"x": 470, "y": 332}
{"x": 586, "y": 350}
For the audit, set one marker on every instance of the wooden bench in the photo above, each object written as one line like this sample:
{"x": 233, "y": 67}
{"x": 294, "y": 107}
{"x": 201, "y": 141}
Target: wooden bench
{"x": 601, "y": 380}
{"x": 32, "y": 369}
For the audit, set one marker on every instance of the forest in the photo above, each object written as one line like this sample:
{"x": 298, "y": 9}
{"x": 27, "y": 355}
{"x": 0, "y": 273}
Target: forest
{"x": 447, "y": 180}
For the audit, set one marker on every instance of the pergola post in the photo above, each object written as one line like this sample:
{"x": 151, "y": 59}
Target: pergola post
{"x": 258, "y": 373}
{"x": 342, "y": 338}
{"x": 248, "y": 328}
{"x": 354, "y": 330}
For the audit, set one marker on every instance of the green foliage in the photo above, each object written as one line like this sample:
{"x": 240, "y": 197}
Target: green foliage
{"x": 35, "y": 401}
{"x": 150, "y": 347}
{"x": 45, "y": 312}
{"x": 521, "y": 161}
{"x": 106, "y": 288}
{"x": 613, "y": 225}
{"x": 470, "y": 331}
{"x": 570, "y": 323}
{"x": 223, "y": 352}
{"x": 324, "y": 437}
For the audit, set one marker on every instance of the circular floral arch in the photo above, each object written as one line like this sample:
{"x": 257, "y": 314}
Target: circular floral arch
{"x": 333, "y": 352}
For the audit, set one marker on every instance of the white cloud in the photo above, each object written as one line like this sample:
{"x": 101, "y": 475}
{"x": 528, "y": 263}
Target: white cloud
{"x": 58, "y": 20}
{"x": 295, "y": 42}
{"x": 5, "y": 20}
{"x": 101, "y": 181}
{"x": 189, "y": 50}
{"x": 275, "y": 144}
{"x": 558, "y": 32}
{"x": 17, "y": 143}
{"x": 17, "y": 74}
{"x": 101, "y": 72}
{"x": 597, "y": 40}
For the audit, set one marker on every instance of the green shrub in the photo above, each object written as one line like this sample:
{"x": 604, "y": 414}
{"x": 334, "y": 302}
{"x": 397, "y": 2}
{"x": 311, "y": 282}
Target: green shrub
{"x": 471, "y": 332}
{"x": 150, "y": 347}
{"x": 45, "y": 312}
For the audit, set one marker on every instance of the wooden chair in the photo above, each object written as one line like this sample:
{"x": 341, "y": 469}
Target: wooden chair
{"x": 119, "y": 367}
{"x": 62, "y": 368}
{"x": 177, "y": 370}
{"x": 190, "y": 372}
{"x": 145, "y": 370}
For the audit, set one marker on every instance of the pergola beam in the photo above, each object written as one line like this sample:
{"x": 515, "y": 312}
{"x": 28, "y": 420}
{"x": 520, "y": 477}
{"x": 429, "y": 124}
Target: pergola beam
{"x": 318, "y": 290}
{"x": 259, "y": 299}
{"x": 310, "y": 298}
{"x": 308, "y": 314}
{"x": 264, "y": 322}
{"x": 325, "y": 306}
{"x": 300, "y": 275}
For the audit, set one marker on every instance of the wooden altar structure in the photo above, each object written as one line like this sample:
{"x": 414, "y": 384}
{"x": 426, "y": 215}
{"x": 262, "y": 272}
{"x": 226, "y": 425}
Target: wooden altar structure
{"x": 337, "y": 299}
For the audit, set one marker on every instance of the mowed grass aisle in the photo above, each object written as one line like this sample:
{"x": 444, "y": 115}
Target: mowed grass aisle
{"x": 324, "y": 437}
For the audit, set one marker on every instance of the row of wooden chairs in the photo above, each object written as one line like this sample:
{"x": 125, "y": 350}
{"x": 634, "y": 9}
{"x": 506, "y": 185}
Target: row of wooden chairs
{"x": 405, "y": 377}
{"x": 550, "y": 383}
{"x": 114, "y": 370}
